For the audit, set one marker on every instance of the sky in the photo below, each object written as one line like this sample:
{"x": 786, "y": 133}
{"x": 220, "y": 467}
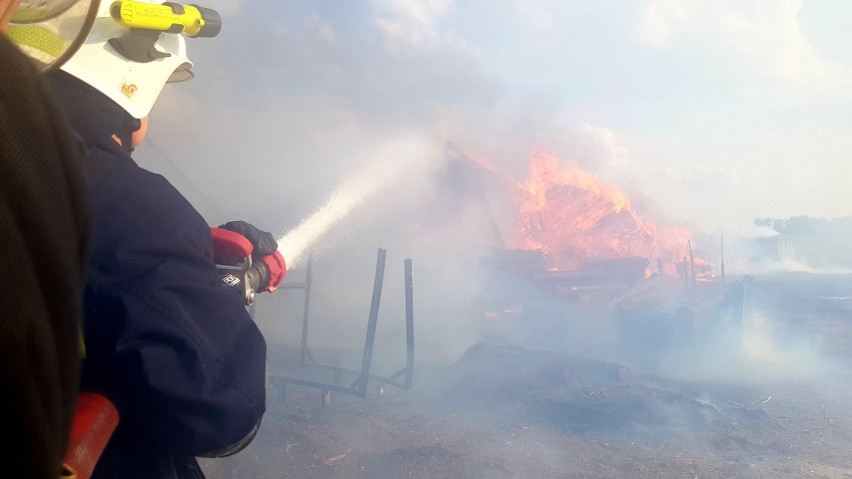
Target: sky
{"x": 708, "y": 113}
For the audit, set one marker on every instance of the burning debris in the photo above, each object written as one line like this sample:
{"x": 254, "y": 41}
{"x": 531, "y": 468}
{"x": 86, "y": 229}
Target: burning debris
{"x": 579, "y": 241}
{"x": 575, "y": 236}
{"x": 574, "y": 218}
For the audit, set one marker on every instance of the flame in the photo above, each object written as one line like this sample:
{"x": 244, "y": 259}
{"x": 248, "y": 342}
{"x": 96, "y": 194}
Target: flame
{"x": 574, "y": 217}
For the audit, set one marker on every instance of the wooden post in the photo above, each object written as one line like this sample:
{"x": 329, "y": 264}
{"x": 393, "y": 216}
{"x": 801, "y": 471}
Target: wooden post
{"x": 409, "y": 325}
{"x": 692, "y": 267}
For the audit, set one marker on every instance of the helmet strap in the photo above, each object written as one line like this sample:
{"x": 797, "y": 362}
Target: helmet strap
{"x": 125, "y": 133}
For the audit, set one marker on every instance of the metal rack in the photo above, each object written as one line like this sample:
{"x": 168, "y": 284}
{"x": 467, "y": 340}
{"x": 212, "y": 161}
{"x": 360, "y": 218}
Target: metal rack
{"x": 329, "y": 378}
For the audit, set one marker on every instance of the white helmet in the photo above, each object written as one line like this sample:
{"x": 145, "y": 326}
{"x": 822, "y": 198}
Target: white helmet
{"x": 129, "y": 66}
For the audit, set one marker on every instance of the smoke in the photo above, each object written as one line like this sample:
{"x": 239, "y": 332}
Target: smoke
{"x": 767, "y": 353}
{"x": 293, "y": 123}
{"x": 763, "y": 350}
{"x": 802, "y": 266}
{"x": 311, "y": 82}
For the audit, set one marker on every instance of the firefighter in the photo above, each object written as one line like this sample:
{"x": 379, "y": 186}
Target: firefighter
{"x": 172, "y": 347}
{"x": 42, "y": 255}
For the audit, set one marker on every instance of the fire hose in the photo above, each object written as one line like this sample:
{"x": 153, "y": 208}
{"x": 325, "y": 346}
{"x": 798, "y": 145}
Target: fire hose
{"x": 95, "y": 420}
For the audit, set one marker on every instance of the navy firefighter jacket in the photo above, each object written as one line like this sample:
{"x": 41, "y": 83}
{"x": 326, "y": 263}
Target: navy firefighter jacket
{"x": 171, "y": 346}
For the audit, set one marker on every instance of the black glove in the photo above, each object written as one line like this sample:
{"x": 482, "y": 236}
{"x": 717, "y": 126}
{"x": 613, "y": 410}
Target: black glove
{"x": 264, "y": 243}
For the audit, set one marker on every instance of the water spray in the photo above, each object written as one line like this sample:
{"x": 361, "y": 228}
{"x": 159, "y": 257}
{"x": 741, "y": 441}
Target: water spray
{"x": 382, "y": 170}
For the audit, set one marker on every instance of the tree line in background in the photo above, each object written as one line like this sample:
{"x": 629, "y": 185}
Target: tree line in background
{"x": 808, "y": 225}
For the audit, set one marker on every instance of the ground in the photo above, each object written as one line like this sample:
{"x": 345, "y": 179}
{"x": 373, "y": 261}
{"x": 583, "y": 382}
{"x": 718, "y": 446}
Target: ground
{"x": 505, "y": 411}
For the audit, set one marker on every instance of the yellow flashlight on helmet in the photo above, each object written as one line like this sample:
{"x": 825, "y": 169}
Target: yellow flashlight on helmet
{"x": 191, "y": 20}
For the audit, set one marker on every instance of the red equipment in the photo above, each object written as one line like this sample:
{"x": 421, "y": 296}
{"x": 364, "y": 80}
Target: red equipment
{"x": 95, "y": 420}
{"x": 232, "y": 253}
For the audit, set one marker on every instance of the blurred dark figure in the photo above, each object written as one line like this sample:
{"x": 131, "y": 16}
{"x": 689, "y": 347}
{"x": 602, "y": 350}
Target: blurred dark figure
{"x": 42, "y": 255}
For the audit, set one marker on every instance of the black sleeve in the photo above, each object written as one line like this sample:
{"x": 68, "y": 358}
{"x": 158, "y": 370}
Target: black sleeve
{"x": 42, "y": 244}
{"x": 173, "y": 347}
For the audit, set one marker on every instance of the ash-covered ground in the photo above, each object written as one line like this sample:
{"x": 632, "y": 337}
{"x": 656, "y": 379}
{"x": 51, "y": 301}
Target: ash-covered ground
{"x": 767, "y": 398}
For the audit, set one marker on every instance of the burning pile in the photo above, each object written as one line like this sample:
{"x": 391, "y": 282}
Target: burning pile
{"x": 574, "y": 218}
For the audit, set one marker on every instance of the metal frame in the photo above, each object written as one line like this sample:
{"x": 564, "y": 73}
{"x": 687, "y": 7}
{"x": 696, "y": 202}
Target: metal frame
{"x": 363, "y": 377}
